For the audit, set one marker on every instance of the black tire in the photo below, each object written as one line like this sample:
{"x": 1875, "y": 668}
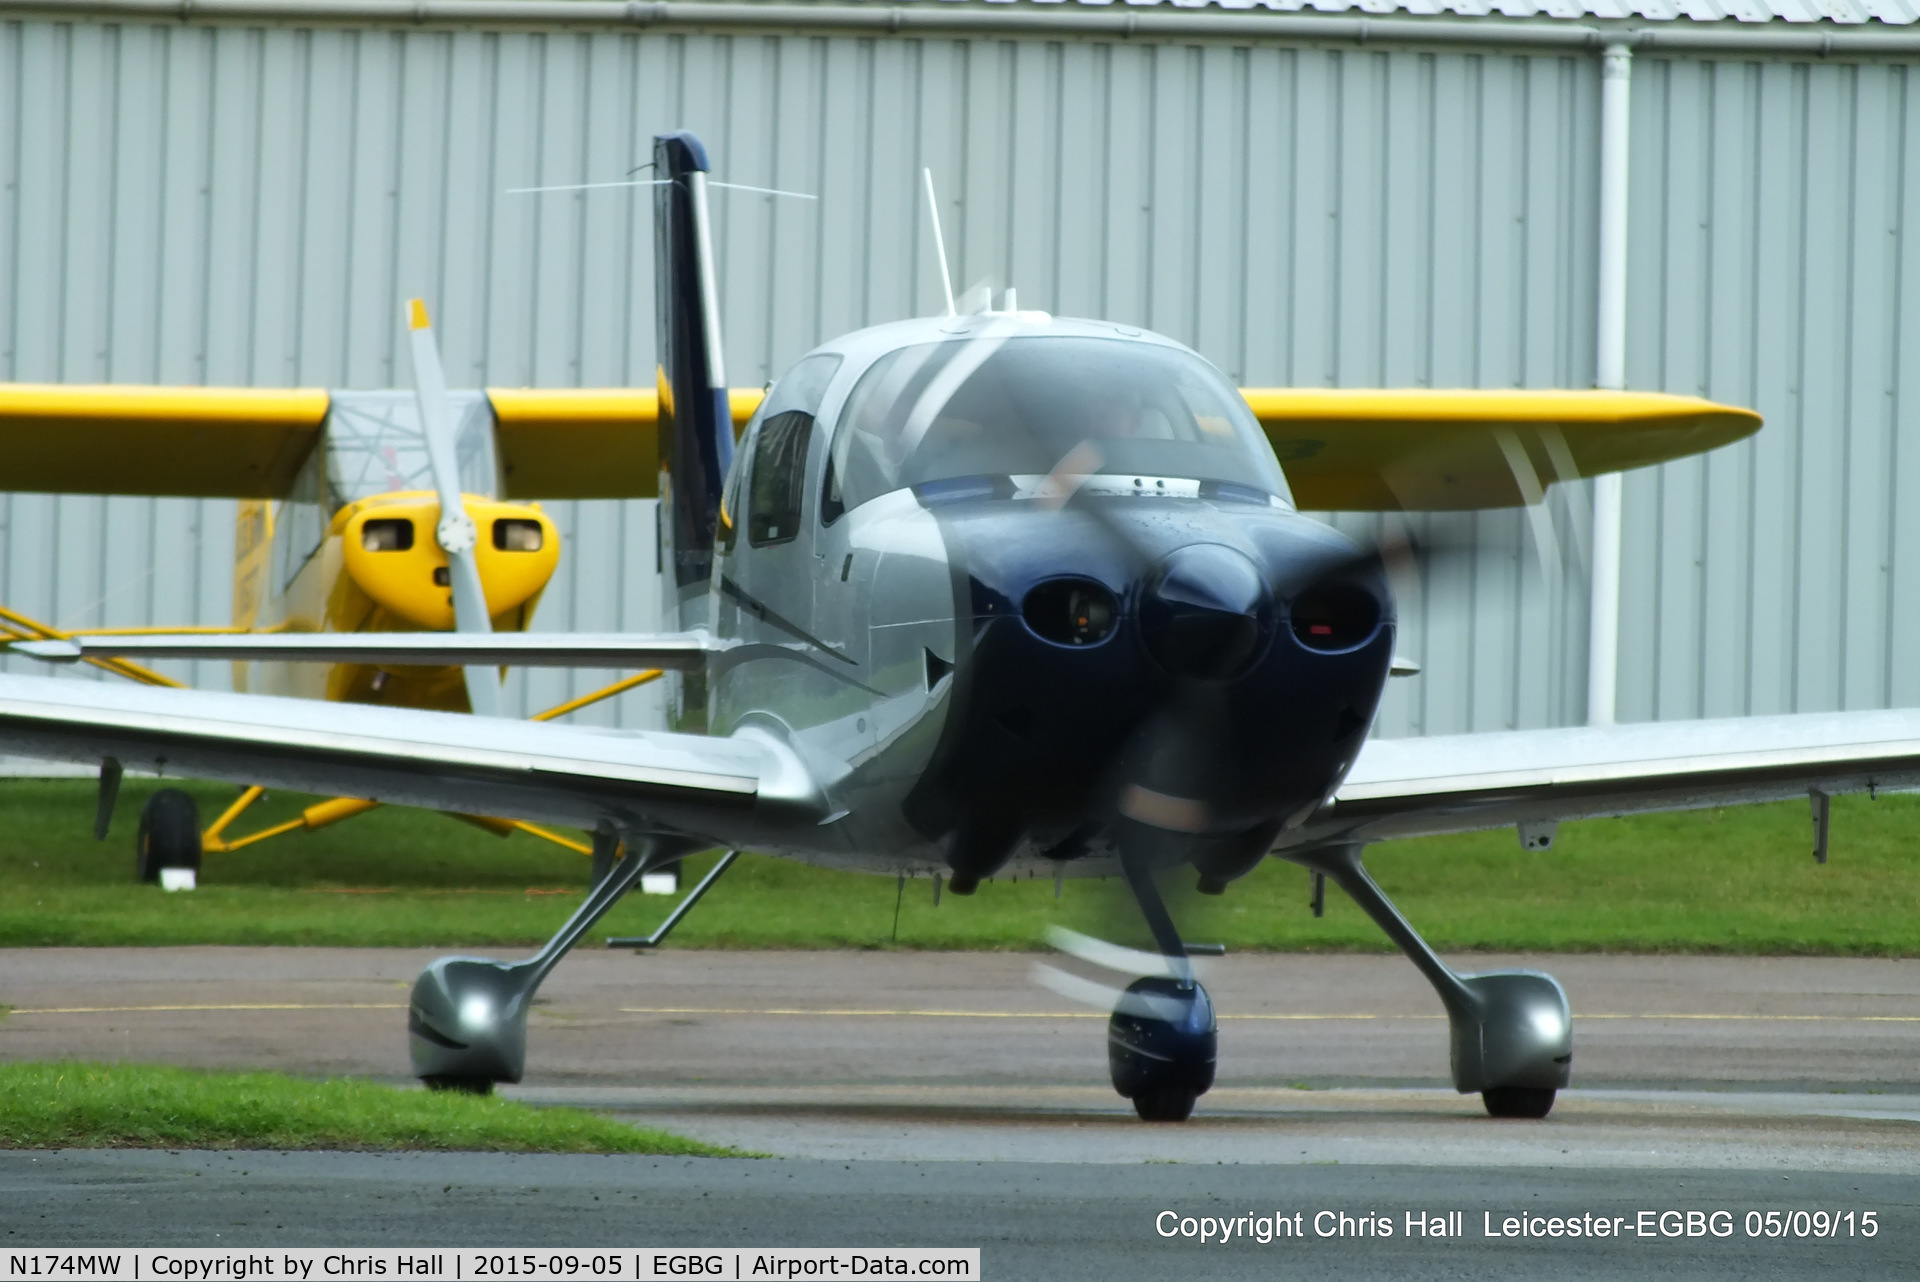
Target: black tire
{"x": 460, "y": 1085}
{"x": 169, "y": 834}
{"x": 1165, "y": 1104}
{"x": 1518, "y": 1101}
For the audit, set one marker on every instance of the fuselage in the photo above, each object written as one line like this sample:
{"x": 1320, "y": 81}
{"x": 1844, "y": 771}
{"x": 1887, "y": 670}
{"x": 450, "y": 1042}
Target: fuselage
{"x": 1005, "y": 580}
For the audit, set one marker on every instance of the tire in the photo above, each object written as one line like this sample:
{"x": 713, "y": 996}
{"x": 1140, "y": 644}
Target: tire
{"x": 1165, "y": 1104}
{"x": 1518, "y": 1101}
{"x": 169, "y": 834}
{"x": 460, "y": 1085}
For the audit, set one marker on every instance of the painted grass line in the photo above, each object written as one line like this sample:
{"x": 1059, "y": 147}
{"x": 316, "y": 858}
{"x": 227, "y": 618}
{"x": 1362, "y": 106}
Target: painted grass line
{"x": 133, "y": 1010}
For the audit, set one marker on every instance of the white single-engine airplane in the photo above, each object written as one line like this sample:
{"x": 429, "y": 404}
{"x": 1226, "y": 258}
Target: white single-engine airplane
{"x": 993, "y": 592}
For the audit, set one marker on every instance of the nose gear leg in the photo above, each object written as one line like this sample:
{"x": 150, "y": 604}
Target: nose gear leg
{"x": 1162, "y": 1039}
{"x": 1512, "y": 1031}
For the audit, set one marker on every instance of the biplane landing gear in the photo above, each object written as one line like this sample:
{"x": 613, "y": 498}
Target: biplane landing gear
{"x": 1512, "y": 1030}
{"x": 1162, "y": 1039}
{"x": 467, "y": 1019}
{"x": 169, "y": 834}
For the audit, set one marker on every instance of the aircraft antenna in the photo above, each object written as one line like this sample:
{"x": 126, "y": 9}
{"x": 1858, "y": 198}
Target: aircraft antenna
{"x": 939, "y": 241}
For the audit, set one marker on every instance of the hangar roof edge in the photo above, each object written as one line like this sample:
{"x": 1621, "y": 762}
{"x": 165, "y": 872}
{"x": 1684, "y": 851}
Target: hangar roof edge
{"x": 1839, "y": 12}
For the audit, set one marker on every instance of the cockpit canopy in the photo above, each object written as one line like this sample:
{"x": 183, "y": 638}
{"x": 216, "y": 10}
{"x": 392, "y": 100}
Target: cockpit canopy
{"x": 1018, "y": 405}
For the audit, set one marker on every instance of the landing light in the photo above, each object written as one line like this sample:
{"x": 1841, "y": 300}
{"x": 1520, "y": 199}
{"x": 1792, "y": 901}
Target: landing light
{"x": 1548, "y": 1024}
{"x": 1334, "y": 616}
{"x": 1070, "y": 611}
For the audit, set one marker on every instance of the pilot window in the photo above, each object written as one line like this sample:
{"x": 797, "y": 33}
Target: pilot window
{"x": 387, "y": 535}
{"x": 776, "y": 483}
{"x": 1017, "y": 407}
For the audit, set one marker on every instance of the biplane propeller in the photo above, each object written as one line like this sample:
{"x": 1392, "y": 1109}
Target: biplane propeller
{"x": 987, "y": 593}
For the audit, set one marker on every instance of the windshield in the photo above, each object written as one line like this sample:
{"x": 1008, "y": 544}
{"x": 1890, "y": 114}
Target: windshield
{"x": 1018, "y": 406}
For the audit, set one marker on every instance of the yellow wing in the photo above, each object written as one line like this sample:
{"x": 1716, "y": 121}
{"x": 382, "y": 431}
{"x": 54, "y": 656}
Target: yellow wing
{"x": 1355, "y": 450}
{"x": 1343, "y": 449}
{"x": 586, "y": 443}
{"x": 212, "y": 442}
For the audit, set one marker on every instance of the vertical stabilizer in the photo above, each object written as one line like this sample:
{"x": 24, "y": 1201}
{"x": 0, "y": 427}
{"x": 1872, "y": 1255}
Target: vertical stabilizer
{"x": 696, "y": 425}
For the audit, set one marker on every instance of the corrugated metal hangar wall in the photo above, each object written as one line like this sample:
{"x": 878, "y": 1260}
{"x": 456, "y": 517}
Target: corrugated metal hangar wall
{"x": 248, "y": 203}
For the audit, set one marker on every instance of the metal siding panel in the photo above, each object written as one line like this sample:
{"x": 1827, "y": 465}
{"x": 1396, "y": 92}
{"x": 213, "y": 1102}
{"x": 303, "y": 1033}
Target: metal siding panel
{"x": 88, "y": 286}
{"x": 843, "y": 150}
{"x": 1683, "y": 262}
{"x": 325, "y": 261}
{"x": 12, "y": 188}
{"x": 1779, "y": 209}
{"x": 1357, "y": 293}
{"x": 1033, "y": 210}
{"x": 1903, "y": 637}
{"x": 1727, "y": 574}
{"x": 892, "y": 209}
{"x": 1497, "y": 579}
{"x": 1405, "y": 245}
{"x": 1129, "y": 193}
{"x": 1317, "y": 149}
{"x": 42, "y": 219}
{"x": 1270, "y": 214}
{"x": 1870, "y": 324}
{"x": 743, "y": 222}
{"x": 1823, "y": 393}
{"x": 471, "y": 191}
{"x": 1640, "y": 557}
{"x": 1080, "y": 124}
{"x": 231, "y": 212}
{"x": 275, "y": 285}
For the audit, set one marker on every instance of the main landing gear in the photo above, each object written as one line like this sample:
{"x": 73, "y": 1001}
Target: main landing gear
{"x": 1512, "y": 1031}
{"x": 467, "y": 1020}
{"x": 169, "y": 834}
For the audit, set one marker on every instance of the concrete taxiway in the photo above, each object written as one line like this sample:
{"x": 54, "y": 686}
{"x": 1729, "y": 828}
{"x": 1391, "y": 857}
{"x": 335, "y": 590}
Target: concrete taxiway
{"x": 926, "y": 1098}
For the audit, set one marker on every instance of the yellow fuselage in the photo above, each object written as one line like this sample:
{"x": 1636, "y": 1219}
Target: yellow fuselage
{"x": 378, "y": 568}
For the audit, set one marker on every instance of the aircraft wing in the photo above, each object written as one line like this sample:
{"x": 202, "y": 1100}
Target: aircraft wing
{"x": 1422, "y": 450}
{"x": 724, "y": 789}
{"x": 586, "y": 443}
{"x": 249, "y": 443}
{"x": 209, "y": 442}
{"x": 676, "y": 650}
{"x": 1459, "y": 783}
{"x": 1343, "y": 449}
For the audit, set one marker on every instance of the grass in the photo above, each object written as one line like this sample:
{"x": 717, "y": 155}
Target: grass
{"x": 80, "y": 1105}
{"x": 1739, "y": 880}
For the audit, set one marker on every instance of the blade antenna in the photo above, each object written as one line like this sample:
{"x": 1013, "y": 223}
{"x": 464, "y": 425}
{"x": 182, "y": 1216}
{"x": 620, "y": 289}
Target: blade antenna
{"x": 939, "y": 241}
{"x": 456, "y": 533}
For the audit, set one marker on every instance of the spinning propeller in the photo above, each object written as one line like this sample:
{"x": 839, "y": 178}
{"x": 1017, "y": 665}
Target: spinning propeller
{"x": 1207, "y": 601}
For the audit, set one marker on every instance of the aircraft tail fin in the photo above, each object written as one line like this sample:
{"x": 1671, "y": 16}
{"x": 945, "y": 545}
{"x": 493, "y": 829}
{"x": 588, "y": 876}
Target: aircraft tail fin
{"x": 696, "y": 423}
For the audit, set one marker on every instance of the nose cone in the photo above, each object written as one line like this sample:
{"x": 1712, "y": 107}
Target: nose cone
{"x": 1206, "y": 612}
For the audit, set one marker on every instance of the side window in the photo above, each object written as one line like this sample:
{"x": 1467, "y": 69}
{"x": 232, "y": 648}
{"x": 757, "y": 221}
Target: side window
{"x": 777, "y": 482}
{"x": 777, "y": 475}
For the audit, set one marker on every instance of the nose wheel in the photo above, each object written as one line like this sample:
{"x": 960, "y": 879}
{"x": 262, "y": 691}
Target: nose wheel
{"x": 1162, "y": 1041}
